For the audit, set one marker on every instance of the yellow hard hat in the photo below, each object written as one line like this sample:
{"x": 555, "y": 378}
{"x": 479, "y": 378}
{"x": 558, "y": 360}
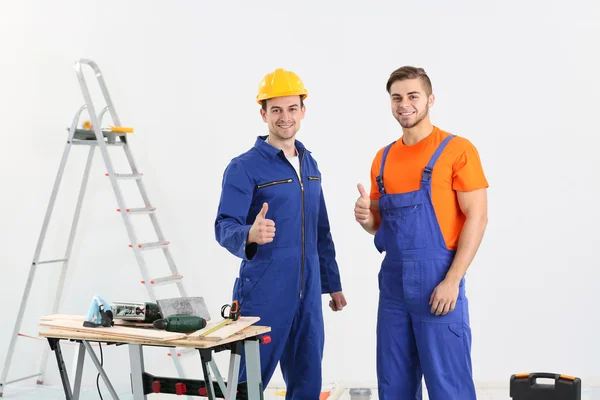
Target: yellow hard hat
{"x": 280, "y": 83}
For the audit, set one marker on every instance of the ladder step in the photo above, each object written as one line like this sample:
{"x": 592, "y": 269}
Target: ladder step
{"x": 90, "y": 135}
{"x": 22, "y": 379}
{"x": 127, "y": 176}
{"x": 184, "y": 351}
{"x": 152, "y": 245}
{"x": 94, "y": 143}
{"x": 51, "y": 261}
{"x": 142, "y": 210}
{"x": 121, "y": 129}
{"x": 165, "y": 280}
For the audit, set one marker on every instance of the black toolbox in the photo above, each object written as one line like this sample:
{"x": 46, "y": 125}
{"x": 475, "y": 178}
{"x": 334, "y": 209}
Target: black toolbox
{"x": 527, "y": 387}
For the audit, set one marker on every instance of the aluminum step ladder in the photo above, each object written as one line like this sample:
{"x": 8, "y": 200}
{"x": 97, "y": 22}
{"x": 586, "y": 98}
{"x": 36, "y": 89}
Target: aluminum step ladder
{"x": 94, "y": 137}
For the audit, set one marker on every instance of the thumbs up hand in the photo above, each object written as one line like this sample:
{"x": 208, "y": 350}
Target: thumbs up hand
{"x": 263, "y": 229}
{"x": 362, "y": 209}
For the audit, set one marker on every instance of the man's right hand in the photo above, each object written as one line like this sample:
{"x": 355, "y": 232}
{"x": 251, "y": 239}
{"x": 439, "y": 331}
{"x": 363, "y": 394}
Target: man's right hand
{"x": 263, "y": 229}
{"x": 362, "y": 209}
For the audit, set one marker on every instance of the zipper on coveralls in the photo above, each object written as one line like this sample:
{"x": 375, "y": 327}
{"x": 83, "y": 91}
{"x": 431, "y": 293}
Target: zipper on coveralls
{"x": 274, "y": 183}
{"x": 302, "y": 194}
{"x": 302, "y": 190}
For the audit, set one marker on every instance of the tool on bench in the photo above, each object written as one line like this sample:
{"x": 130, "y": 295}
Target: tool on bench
{"x": 99, "y": 315}
{"x": 234, "y": 310}
{"x": 184, "y": 306}
{"x": 234, "y": 315}
{"x": 144, "y": 312}
{"x": 180, "y": 323}
{"x": 182, "y": 314}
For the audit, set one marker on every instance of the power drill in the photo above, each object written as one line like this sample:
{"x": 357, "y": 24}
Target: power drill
{"x": 180, "y": 323}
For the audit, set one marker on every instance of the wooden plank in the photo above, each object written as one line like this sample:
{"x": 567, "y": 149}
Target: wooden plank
{"x": 121, "y": 331}
{"x": 197, "y": 343}
{"x": 81, "y": 318}
{"x": 226, "y": 331}
{"x": 248, "y": 331}
{"x": 105, "y": 332}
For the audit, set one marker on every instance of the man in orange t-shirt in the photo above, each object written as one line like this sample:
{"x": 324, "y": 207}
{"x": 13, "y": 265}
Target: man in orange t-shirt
{"x": 428, "y": 211}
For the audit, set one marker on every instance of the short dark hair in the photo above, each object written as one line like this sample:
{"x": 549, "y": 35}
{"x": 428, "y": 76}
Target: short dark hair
{"x": 409, "y": 72}
{"x": 264, "y": 103}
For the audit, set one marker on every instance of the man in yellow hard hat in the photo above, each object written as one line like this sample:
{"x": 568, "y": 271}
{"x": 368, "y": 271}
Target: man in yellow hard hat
{"x": 272, "y": 215}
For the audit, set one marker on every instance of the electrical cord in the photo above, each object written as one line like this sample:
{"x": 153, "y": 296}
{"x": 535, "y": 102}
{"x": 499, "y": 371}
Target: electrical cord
{"x": 98, "y": 377}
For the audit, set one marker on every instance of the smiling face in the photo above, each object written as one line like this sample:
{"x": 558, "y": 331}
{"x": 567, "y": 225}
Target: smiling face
{"x": 283, "y": 116}
{"x": 410, "y": 102}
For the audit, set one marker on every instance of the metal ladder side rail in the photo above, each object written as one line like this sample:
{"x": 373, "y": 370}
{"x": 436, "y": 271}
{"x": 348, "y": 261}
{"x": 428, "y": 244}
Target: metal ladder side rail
{"x": 132, "y": 164}
{"x": 104, "y": 151}
{"x": 38, "y": 250}
{"x": 111, "y": 173}
{"x": 63, "y": 273}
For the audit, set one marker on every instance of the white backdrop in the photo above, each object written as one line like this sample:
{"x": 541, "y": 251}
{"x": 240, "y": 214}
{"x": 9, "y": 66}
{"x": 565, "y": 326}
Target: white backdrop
{"x": 519, "y": 79}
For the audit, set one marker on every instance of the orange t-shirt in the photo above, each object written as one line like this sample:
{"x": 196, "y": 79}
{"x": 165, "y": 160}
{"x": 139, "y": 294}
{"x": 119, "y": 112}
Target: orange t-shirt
{"x": 457, "y": 169}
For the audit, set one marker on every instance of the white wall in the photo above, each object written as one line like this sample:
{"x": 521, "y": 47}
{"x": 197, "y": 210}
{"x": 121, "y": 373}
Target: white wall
{"x": 519, "y": 79}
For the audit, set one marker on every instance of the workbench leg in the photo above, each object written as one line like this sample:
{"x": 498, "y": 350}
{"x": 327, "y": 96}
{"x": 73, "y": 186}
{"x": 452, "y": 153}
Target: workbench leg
{"x": 206, "y": 358}
{"x": 253, "y": 374}
{"x": 64, "y": 376}
{"x": 217, "y": 373}
{"x": 136, "y": 359}
{"x": 234, "y": 371}
{"x": 80, "y": 354}
{"x": 73, "y": 370}
{"x": 96, "y": 362}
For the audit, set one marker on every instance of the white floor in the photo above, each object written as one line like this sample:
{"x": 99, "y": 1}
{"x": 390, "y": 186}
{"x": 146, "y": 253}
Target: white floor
{"x": 56, "y": 393}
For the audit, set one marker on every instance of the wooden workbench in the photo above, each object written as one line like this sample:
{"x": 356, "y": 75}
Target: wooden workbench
{"x": 144, "y": 383}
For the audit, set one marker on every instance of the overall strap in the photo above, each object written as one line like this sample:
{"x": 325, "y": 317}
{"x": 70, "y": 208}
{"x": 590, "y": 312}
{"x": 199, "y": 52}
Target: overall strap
{"x": 379, "y": 178}
{"x": 427, "y": 171}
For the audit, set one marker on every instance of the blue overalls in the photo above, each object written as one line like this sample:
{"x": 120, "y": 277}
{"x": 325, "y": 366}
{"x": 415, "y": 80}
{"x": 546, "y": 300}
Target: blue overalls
{"x": 281, "y": 282}
{"x": 411, "y": 341}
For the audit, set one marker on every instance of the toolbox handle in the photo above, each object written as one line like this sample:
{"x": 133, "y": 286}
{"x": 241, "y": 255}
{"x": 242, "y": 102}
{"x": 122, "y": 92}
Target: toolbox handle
{"x": 535, "y": 375}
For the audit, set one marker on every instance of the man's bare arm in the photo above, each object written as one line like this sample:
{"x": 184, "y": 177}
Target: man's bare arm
{"x": 373, "y": 223}
{"x": 474, "y": 205}
{"x": 366, "y": 211}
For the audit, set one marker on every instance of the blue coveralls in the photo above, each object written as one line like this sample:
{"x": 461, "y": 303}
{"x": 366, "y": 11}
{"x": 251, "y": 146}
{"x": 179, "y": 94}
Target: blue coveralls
{"x": 411, "y": 341}
{"x": 281, "y": 282}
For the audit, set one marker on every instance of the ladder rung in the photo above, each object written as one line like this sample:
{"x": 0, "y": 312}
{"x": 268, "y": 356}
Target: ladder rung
{"x": 22, "y": 379}
{"x": 165, "y": 280}
{"x": 50, "y": 261}
{"x": 94, "y": 143}
{"x": 152, "y": 245}
{"x": 142, "y": 210}
{"x": 182, "y": 352}
{"x": 127, "y": 176}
